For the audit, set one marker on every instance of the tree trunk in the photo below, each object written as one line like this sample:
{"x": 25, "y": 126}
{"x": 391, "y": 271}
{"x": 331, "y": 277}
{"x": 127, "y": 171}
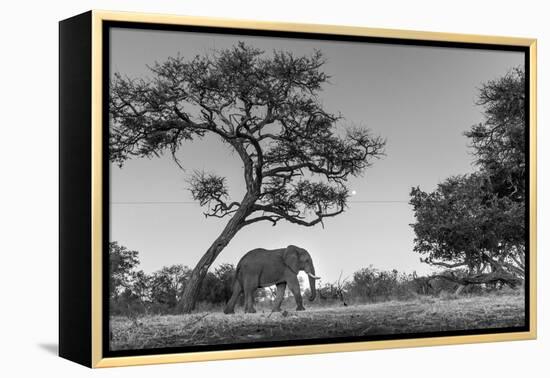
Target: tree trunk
{"x": 193, "y": 285}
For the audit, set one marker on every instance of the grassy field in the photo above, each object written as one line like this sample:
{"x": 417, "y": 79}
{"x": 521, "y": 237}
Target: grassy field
{"x": 425, "y": 314}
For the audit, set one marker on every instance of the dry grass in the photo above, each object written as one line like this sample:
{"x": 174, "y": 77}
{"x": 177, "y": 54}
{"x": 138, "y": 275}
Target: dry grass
{"x": 425, "y": 314}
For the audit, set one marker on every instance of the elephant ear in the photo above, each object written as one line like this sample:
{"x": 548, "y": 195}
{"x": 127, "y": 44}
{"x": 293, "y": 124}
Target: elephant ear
{"x": 291, "y": 258}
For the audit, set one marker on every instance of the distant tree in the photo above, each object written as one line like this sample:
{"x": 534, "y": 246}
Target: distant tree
{"x": 122, "y": 263}
{"x": 141, "y": 286}
{"x": 217, "y": 285}
{"x": 167, "y": 284}
{"x": 225, "y": 273}
{"x": 363, "y": 282}
{"x": 296, "y": 160}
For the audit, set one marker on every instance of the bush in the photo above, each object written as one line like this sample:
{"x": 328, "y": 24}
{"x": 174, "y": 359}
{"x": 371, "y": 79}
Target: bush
{"x": 373, "y": 285}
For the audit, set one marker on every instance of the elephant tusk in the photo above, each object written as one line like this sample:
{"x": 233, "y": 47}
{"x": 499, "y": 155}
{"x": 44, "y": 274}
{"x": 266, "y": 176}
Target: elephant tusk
{"x": 312, "y": 276}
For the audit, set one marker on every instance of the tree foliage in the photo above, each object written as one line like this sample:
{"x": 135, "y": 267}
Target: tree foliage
{"x": 122, "y": 264}
{"x": 498, "y": 143}
{"x": 217, "y": 286}
{"x": 463, "y": 223}
{"x": 167, "y": 283}
{"x": 266, "y": 108}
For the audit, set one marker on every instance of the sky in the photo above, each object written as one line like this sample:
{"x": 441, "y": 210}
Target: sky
{"x": 421, "y": 99}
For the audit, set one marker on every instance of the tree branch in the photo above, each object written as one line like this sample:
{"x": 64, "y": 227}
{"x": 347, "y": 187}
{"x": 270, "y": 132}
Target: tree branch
{"x": 296, "y": 219}
{"x": 272, "y": 219}
{"x": 443, "y": 264}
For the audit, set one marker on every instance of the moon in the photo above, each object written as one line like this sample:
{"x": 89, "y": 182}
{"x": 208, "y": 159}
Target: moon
{"x": 353, "y": 192}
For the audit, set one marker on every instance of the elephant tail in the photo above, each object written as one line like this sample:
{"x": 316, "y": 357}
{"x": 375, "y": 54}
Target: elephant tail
{"x": 236, "y": 277}
{"x": 237, "y": 273}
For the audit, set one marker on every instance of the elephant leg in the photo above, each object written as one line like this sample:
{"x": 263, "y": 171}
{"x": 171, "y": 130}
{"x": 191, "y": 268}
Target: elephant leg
{"x": 294, "y": 287}
{"x": 281, "y": 287}
{"x": 249, "y": 289}
{"x": 237, "y": 289}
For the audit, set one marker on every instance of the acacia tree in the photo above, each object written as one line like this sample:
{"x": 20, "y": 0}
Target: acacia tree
{"x": 296, "y": 161}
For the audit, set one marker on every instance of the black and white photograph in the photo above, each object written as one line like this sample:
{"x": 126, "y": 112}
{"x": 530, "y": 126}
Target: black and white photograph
{"x": 278, "y": 189}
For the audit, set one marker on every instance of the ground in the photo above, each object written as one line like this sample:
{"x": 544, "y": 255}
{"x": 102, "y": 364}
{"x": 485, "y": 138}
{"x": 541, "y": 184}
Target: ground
{"x": 425, "y": 314}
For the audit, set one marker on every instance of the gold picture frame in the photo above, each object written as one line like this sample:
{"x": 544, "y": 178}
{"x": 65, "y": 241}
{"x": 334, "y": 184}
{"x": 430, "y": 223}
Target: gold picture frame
{"x": 92, "y": 24}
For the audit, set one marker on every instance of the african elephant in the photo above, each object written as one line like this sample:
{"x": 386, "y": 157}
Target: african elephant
{"x": 262, "y": 267}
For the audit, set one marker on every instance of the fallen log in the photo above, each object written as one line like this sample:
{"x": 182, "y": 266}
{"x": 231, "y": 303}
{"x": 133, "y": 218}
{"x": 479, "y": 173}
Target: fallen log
{"x": 483, "y": 278}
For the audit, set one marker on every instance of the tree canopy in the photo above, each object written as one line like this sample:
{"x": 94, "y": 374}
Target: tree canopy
{"x": 267, "y": 109}
{"x": 463, "y": 223}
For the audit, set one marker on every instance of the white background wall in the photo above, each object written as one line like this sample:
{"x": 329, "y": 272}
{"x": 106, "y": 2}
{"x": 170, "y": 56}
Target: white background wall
{"x": 28, "y": 159}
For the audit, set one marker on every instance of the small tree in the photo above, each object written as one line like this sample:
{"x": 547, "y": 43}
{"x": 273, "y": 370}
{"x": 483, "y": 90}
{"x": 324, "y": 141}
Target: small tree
{"x": 122, "y": 264}
{"x": 296, "y": 161}
{"x": 167, "y": 284}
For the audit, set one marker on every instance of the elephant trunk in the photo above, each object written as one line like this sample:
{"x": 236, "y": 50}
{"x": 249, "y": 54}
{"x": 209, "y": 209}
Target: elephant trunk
{"x": 312, "y": 278}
